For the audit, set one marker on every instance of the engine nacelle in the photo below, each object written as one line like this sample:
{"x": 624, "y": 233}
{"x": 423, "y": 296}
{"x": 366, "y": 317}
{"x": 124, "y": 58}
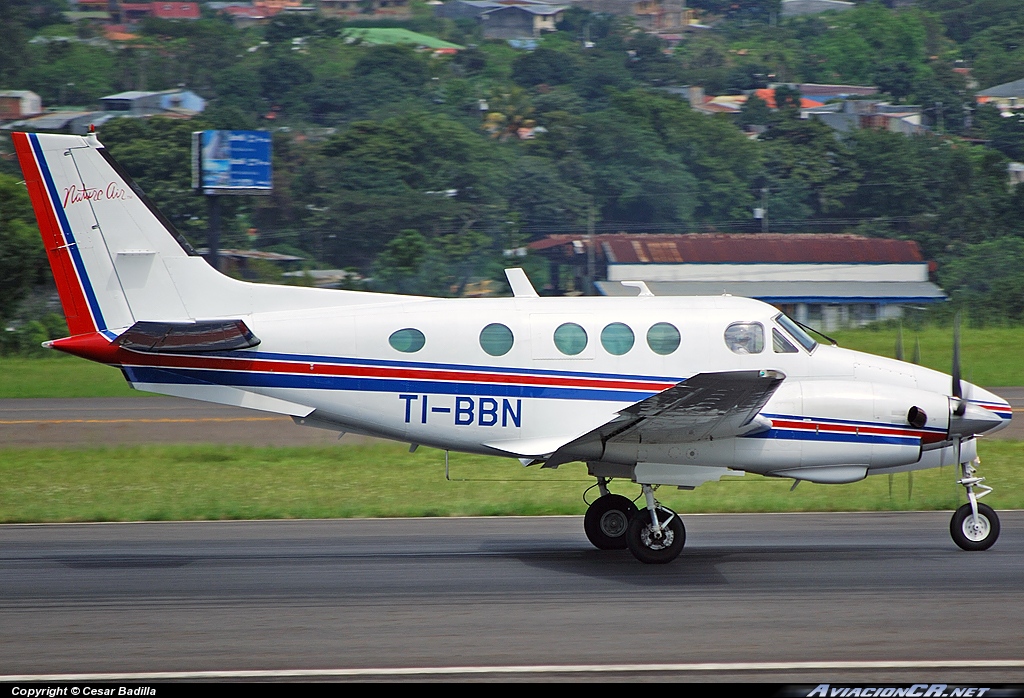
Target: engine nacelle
{"x": 878, "y": 425}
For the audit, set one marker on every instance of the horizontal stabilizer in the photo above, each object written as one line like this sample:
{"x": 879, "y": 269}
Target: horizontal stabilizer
{"x": 188, "y": 337}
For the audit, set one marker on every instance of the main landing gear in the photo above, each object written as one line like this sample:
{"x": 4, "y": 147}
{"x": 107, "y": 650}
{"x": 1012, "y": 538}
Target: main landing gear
{"x": 974, "y": 526}
{"x": 654, "y": 534}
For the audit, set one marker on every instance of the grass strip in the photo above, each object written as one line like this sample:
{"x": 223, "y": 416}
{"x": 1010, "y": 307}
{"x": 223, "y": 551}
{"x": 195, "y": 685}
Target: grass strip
{"x": 61, "y": 376}
{"x": 156, "y": 483}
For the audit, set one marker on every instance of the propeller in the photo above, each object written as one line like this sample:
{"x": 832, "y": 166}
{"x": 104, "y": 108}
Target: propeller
{"x": 958, "y": 389}
{"x": 899, "y": 342}
{"x": 917, "y": 351}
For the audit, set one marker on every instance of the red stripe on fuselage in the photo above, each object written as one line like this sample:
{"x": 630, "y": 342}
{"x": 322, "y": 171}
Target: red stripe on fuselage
{"x": 324, "y": 369}
{"x": 878, "y": 430}
{"x": 101, "y": 349}
{"x": 69, "y": 287}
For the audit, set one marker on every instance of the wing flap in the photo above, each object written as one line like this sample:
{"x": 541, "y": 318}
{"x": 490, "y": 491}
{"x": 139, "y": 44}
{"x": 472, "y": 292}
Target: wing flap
{"x": 706, "y": 406}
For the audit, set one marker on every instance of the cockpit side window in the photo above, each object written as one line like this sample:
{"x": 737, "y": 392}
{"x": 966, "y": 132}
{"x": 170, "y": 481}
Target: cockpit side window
{"x": 796, "y": 332}
{"x": 781, "y": 345}
{"x": 745, "y": 337}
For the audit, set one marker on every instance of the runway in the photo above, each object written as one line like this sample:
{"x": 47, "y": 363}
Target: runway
{"x": 791, "y": 598}
{"x": 128, "y": 421}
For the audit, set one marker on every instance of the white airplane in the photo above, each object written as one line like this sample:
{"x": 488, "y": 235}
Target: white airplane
{"x": 656, "y": 390}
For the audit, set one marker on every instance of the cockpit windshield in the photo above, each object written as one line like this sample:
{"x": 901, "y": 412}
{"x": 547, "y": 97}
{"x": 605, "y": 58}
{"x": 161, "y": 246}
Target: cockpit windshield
{"x": 796, "y": 332}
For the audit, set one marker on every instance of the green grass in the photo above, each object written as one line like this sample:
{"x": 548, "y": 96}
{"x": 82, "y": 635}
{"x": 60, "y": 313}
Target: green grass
{"x": 152, "y": 483}
{"x": 989, "y": 357}
{"x": 60, "y": 375}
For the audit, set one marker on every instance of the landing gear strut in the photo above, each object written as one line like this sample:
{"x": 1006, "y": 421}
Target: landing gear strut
{"x": 608, "y": 518}
{"x": 974, "y": 526}
{"x": 655, "y": 534}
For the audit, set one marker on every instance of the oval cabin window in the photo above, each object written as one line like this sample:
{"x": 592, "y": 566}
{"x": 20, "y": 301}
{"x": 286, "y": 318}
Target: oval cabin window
{"x": 496, "y": 339}
{"x": 570, "y": 338}
{"x": 663, "y": 338}
{"x": 407, "y": 340}
{"x": 617, "y": 338}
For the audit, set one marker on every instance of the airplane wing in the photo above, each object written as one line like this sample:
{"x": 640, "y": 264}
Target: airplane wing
{"x": 706, "y": 406}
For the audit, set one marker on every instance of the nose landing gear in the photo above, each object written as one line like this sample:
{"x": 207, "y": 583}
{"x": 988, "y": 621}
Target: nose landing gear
{"x": 974, "y": 526}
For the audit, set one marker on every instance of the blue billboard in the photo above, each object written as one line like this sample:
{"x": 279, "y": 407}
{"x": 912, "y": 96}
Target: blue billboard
{"x": 231, "y": 162}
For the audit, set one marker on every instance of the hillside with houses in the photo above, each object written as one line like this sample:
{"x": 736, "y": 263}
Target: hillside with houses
{"x": 419, "y": 146}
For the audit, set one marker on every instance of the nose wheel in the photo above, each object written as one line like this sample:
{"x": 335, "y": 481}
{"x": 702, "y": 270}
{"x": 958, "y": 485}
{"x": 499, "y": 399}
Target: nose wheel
{"x": 973, "y": 531}
{"x": 974, "y": 526}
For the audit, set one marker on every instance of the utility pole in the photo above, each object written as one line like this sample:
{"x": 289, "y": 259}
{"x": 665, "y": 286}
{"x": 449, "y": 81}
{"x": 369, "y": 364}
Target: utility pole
{"x": 213, "y": 234}
{"x": 591, "y": 252}
{"x": 761, "y": 211}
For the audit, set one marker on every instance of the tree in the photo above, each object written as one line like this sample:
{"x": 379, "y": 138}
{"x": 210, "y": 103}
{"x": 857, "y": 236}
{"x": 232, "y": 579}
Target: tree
{"x": 416, "y": 171}
{"x": 22, "y": 260}
{"x": 544, "y": 65}
{"x": 988, "y": 279}
{"x": 635, "y": 179}
{"x": 808, "y": 171}
{"x": 723, "y": 161}
{"x": 157, "y": 154}
{"x": 755, "y": 111}
{"x": 895, "y": 78}
{"x": 544, "y": 201}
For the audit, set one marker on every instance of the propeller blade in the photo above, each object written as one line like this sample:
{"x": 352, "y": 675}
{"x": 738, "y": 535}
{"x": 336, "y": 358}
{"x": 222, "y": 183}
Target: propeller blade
{"x": 899, "y": 342}
{"x": 958, "y": 390}
{"x": 917, "y": 351}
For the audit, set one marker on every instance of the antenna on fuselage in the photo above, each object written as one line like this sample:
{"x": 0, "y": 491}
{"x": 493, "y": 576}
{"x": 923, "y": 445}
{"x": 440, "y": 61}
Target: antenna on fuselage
{"x": 520, "y": 283}
{"x": 642, "y": 285}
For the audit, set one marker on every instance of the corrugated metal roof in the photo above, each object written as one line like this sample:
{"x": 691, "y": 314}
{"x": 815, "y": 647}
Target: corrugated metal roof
{"x": 721, "y": 248}
{"x": 792, "y": 291}
{"x": 1007, "y": 89}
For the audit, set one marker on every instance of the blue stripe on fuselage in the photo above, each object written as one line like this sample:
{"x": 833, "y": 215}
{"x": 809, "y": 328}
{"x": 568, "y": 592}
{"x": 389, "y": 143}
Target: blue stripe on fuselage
{"x": 845, "y": 437}
{"x": 245, "y": 379}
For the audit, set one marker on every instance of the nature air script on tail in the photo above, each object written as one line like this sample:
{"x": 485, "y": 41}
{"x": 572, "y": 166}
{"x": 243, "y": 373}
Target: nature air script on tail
{"x": 655, "y": 390}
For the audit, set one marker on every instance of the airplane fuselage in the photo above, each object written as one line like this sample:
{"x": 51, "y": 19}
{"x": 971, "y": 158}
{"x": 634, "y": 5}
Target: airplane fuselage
{"x": 444, "y": 389}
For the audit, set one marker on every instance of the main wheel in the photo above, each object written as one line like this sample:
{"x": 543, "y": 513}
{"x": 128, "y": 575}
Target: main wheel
{"x": 607, "y": 520}
{"x": 650, "y": 548}
{"x": 971, "y": 534}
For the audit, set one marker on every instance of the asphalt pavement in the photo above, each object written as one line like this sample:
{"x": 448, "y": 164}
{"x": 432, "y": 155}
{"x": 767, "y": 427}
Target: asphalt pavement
{"x": 761, "y": 597}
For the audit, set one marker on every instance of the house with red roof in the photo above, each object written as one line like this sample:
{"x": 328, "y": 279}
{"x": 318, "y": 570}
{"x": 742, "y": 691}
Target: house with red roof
{"x": 130, "y": 12}
{"x": 824, "y": 280}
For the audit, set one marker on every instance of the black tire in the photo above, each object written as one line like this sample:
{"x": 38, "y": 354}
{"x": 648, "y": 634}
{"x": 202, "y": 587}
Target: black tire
{"x": 607, "y": 520}
{"x": 971, "y": 536}
{"x": 646, "y": 547}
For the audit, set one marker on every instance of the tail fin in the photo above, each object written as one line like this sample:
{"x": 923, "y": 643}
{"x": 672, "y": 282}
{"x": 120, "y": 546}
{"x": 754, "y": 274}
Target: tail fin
{"x": 108, "y": 246}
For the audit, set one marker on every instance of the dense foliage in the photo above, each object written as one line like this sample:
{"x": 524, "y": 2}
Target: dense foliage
{"x": 420, "y": 170}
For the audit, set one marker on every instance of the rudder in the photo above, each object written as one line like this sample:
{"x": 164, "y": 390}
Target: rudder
{"x": 106, "y": 244}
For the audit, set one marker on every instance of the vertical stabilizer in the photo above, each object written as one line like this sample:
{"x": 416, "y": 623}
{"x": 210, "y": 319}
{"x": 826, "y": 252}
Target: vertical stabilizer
{"x": 107, "y": 245}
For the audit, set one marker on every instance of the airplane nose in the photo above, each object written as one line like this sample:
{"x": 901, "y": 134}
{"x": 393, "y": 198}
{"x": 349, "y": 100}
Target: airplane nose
{"x": 972, "y": 419}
